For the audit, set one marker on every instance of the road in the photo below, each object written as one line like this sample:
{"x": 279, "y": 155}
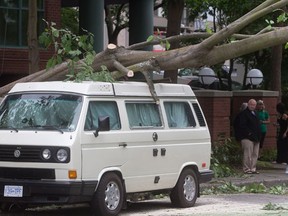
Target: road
{"x": 206, "y": 205}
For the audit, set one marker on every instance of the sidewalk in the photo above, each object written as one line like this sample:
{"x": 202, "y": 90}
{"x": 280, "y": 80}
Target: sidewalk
{"x": 274, "y": 175}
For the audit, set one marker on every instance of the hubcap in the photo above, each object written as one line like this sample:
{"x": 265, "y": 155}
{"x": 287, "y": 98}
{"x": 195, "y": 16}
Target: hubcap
{"x": 189, "y": 188}
{"x": 112, "y": 196}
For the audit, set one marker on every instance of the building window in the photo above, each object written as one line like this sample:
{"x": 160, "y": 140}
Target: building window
{"x": 14, "y": 22}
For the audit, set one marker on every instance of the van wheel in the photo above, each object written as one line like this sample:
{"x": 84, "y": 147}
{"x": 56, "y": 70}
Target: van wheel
{"x": 185, "y": 193}
{"x": 108, "y": 198}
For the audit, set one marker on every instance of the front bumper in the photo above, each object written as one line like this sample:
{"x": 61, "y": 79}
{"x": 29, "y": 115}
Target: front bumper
{"x": 42, "y": 192}
{"x": 206, "y": 176}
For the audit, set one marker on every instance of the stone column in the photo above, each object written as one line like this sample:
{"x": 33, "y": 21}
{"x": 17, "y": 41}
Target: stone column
{"x": 91, "y": 18}
{"x": 141, "y": 20}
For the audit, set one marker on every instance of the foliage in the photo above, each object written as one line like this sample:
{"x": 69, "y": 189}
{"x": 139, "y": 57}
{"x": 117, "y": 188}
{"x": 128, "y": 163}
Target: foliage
{"x": 197, "y": 8}
{"x": 68, "y": 46}
{"x": 226, "y": 156}
{"x": 70, "y": 19}
{"x": 268, "y": 154}
{"x": 278, "y": 189}
{"x": 271, "y": 206}
{"x": 255, "y": 188}
{"x": 230, "y": 188}
{"x": 163, "y": 42}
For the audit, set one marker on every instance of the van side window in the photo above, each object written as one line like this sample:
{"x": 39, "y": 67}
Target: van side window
{"x": 143, "y": 115}
{"x": 199, "y": 115}
{"x": 98, "y": 109}
{"x": 179, "y": 115}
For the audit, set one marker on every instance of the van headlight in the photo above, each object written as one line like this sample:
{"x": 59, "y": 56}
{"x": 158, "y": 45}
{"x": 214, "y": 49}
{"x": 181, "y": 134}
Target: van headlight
{"x": 46, "y": 154}
{"x": 55, "y": 154}
{"x": 62, "y": 155}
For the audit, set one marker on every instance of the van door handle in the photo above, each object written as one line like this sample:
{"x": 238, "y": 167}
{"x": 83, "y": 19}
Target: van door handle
{"x": 163, "y": 151}
{"x": 123, "y": 144}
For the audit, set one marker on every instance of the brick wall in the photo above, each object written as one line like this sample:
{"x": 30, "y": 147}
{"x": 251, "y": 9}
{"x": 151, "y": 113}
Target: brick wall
{"x": 14, "y": 61}
{"x": 216, "y": 106}
{"x": 53, "y": 11}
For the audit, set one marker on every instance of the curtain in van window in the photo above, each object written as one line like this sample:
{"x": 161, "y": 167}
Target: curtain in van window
{"x": 179, "y": 114}
{"x": 143, "y": 115}
{"x": 98, "y": 109}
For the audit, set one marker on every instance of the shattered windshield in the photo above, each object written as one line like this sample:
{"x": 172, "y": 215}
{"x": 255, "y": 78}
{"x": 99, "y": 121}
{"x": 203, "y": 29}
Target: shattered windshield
{"x": 40, "y": 111}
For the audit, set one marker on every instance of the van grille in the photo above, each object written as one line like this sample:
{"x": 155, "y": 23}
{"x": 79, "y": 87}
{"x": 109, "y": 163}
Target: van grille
{"x": 199, "y": 115}
{"x": 27, "y": 153}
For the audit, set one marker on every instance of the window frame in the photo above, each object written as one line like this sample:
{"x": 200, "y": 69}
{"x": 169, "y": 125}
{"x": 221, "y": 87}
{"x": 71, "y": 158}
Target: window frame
{"x": 159, "y": 111}
{"x": 190, "y": 116}
{"x": 117, "y": 116}
{"x": 20, "y": 10}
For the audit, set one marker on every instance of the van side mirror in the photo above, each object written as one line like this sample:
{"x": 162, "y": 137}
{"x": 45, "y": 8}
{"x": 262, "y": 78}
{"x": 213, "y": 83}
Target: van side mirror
{"x": 103, "y": 125}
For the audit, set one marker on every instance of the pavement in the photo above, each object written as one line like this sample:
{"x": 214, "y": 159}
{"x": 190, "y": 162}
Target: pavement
{"x": 274, "y": 174}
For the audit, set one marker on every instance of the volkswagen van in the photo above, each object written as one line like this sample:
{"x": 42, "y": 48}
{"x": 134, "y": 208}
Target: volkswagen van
{"x": 100, "y": 143}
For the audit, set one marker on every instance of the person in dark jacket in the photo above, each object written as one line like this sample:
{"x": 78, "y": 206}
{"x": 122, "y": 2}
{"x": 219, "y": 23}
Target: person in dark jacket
{"x": 236, "y": 121}
{"x": 282, "y": 135}
{"x": 249, "y": 135}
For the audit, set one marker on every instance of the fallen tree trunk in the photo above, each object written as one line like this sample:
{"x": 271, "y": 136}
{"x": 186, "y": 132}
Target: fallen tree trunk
{"x": 212, "y": 50}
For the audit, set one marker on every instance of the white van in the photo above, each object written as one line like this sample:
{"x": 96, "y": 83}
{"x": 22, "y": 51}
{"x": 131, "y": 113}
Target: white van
{"x": 97, "y": 142}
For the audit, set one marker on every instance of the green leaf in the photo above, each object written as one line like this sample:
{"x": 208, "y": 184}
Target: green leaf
{"x": 207, "y": 27}
{"x": 150, "y": 38}
{"x": 55, "y": 32}
{"x": 74, "y": 52}
{"x": 282, "y": 18}
{"x": 51, "y": 63}
{"x": 59, "y": 59}
{"x": 168, "y": 45}
{"x": 89, "y": 58}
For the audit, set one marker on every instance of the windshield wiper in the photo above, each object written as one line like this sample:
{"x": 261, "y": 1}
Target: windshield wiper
{"x": 49, "y": 127}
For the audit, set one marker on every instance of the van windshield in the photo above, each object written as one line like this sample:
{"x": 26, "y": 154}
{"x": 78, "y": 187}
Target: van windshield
{"x": 40, "y": 111}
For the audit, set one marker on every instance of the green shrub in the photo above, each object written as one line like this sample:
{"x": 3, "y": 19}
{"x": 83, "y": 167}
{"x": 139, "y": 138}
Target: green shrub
{"x": 226, "y": 157}
{"x": 268, "y": 155}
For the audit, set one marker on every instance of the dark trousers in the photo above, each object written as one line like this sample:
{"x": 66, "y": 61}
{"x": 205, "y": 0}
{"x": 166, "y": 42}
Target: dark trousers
{"x": 282, "y": 150}
{"x": 263, "y": 134}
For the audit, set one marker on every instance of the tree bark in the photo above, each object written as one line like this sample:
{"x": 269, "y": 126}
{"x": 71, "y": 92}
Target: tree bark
{"x": 32, "y": 38}
{"x": 175, "y": 11}
{"x": 276, "y": 62}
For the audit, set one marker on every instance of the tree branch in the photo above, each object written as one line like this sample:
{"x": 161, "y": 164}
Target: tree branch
{"x": 263, "y": 9}
{"x": 194, "y": 35}
{"x": 240, "y": 48}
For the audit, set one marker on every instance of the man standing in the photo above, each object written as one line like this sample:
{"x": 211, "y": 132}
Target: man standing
{"x": 250, "y": 134}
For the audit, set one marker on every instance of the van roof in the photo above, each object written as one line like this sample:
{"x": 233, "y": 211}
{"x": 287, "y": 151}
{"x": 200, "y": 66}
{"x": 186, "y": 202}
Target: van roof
{"x": 104, "y": 88}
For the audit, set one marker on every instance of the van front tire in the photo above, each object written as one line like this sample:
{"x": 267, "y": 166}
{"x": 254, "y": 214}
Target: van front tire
{"x": 185, "y": 192}
{"x": 108, "y": 198}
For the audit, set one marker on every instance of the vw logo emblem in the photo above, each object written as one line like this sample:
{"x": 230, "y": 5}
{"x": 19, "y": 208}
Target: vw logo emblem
{"x": 17, "y": 153}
